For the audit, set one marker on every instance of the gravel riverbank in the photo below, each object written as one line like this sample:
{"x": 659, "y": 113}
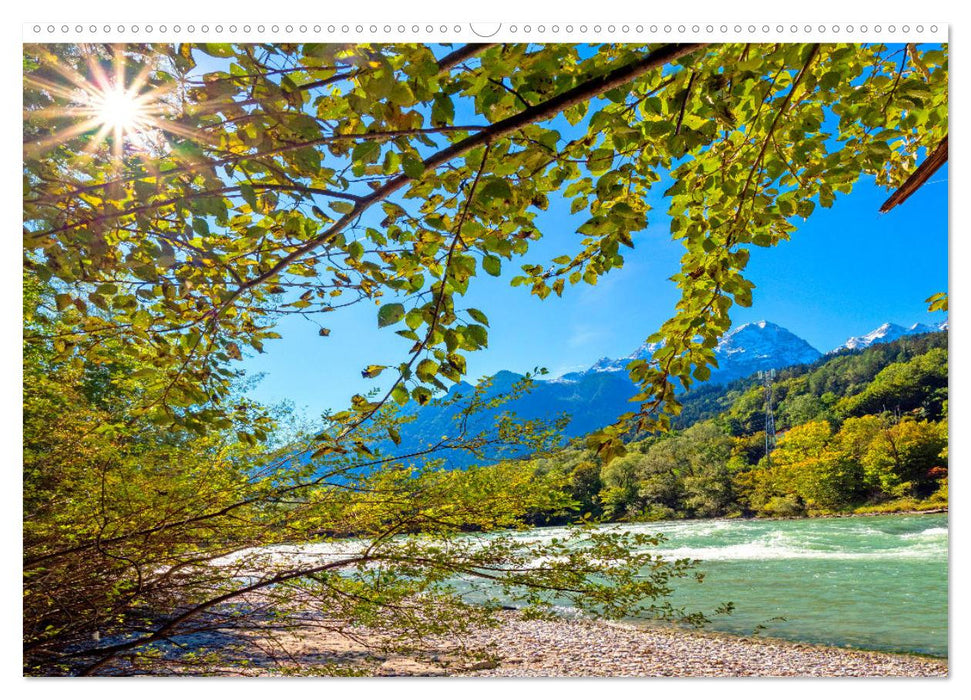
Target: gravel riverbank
{"x": 531, "y": 648}
{"x": 558, "y": 648}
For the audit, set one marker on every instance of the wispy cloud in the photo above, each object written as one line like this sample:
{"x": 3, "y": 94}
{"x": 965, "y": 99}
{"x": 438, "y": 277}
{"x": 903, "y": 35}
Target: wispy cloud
{"x": 581, "y": 335}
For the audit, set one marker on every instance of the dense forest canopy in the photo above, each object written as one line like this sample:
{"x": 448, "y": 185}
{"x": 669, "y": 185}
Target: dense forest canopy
{"x": 180, "y": 199}
{"x": 858, "y": 432}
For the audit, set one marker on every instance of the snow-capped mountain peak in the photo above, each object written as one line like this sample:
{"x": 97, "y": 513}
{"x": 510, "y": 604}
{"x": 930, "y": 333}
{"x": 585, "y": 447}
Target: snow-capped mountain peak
{"x": 757, "y": 346}
{"x": 605, "y": 364}
{"x": 749, "y": 348}
{"x": 889, "y": 332}
{"x": 760, "y": 345}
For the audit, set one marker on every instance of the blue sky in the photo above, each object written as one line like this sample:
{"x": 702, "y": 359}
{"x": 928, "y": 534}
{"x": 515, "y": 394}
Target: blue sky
{"x": 846, "y": 270}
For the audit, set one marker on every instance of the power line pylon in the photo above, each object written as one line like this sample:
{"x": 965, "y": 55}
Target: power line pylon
{"x": 767, "y": 378}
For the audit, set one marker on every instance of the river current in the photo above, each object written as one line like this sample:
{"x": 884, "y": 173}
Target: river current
{"x": 876, "y": 582}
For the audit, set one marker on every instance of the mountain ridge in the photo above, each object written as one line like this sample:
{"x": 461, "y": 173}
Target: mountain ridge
{"x": 751, "y": 347}
{"x": 599, "y": 395}
{"x": 887, "y": 333}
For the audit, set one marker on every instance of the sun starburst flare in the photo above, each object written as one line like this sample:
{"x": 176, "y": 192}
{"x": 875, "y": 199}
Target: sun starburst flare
{"x": 128, "y": 113}
{"x": 122, "y": 109}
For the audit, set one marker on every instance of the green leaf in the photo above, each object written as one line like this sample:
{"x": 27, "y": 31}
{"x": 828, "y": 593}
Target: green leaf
{"x": 479, "y": 316}
{"x": 600, "y": 161}
{"x": 390, "y": 314}
{"x": 414, "y": 318}
{"x": 492, "y": 265}
{"x": 937, "y": 302}
{"x": 456, "y": 361}
{"x": 366, "y": 152}
{"x": 391, "y": 162}
{"x": 218, "y": 50}
{"x": 443, "y": 111}
{"x": 308, "y": 160}
{"x": 400, "y": 394}
{"x": 426, "y": 369}
{"x": 412, "y": 165}
{"x": 200, "y": 226}
{"x": 422, "y": 395}
{"x": 494, "y": 188}
{"x": 478, "y": 334}
{"x": 248, "y": 194}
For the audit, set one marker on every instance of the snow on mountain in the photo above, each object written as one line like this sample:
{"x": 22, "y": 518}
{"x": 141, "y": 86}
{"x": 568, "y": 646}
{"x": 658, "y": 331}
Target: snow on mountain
{"x": 605, "y": 364}
{"x": 887, "y": 333}
{"x": 761, "y": 346}
{"x": 753, "y": 347}
{"x": 749, "y": 348}
{"x": 598, "y": 395}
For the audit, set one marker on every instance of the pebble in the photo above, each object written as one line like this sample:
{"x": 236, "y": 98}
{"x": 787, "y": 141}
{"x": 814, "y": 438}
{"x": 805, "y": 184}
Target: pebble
{"x": 521, "y": 648}
{"x": 561, "y": 648}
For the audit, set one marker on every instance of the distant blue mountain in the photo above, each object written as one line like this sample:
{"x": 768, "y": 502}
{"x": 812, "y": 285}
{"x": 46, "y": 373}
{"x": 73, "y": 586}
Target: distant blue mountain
{"x": 743, "y": 351}
{"x": 592, "y": 401}
{"x": 596, "y": 397}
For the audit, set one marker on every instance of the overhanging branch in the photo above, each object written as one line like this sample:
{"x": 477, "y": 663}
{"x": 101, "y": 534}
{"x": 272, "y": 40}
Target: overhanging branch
{"x": 581, "y": 93}
{"x": 931, "y": 165}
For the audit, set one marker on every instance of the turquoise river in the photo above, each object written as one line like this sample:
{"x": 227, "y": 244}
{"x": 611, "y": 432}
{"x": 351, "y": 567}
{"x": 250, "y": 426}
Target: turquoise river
{"x": 876, "y": 582}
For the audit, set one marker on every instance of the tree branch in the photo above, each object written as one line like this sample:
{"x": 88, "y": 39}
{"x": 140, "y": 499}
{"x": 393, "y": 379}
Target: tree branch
{"x": 931, "y": 165}
{"x": 582, "y": 92}
{"x": 684, "y": 103}
{"x": 438, "y": 302}
{"x": 756, "y": 165}
{"x": 169, "y": 627}
{"x": 450, "y": 60}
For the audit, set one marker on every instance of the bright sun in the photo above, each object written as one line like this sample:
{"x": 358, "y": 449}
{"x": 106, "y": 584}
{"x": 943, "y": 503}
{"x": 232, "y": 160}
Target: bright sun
{"x": 112, "y": 107}
{"x": 119, "y": 109}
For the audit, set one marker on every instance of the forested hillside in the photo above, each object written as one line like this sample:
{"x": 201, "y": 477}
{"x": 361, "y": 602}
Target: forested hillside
{"x": 855, "y": 431}
{"x": 805, "y": 391}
